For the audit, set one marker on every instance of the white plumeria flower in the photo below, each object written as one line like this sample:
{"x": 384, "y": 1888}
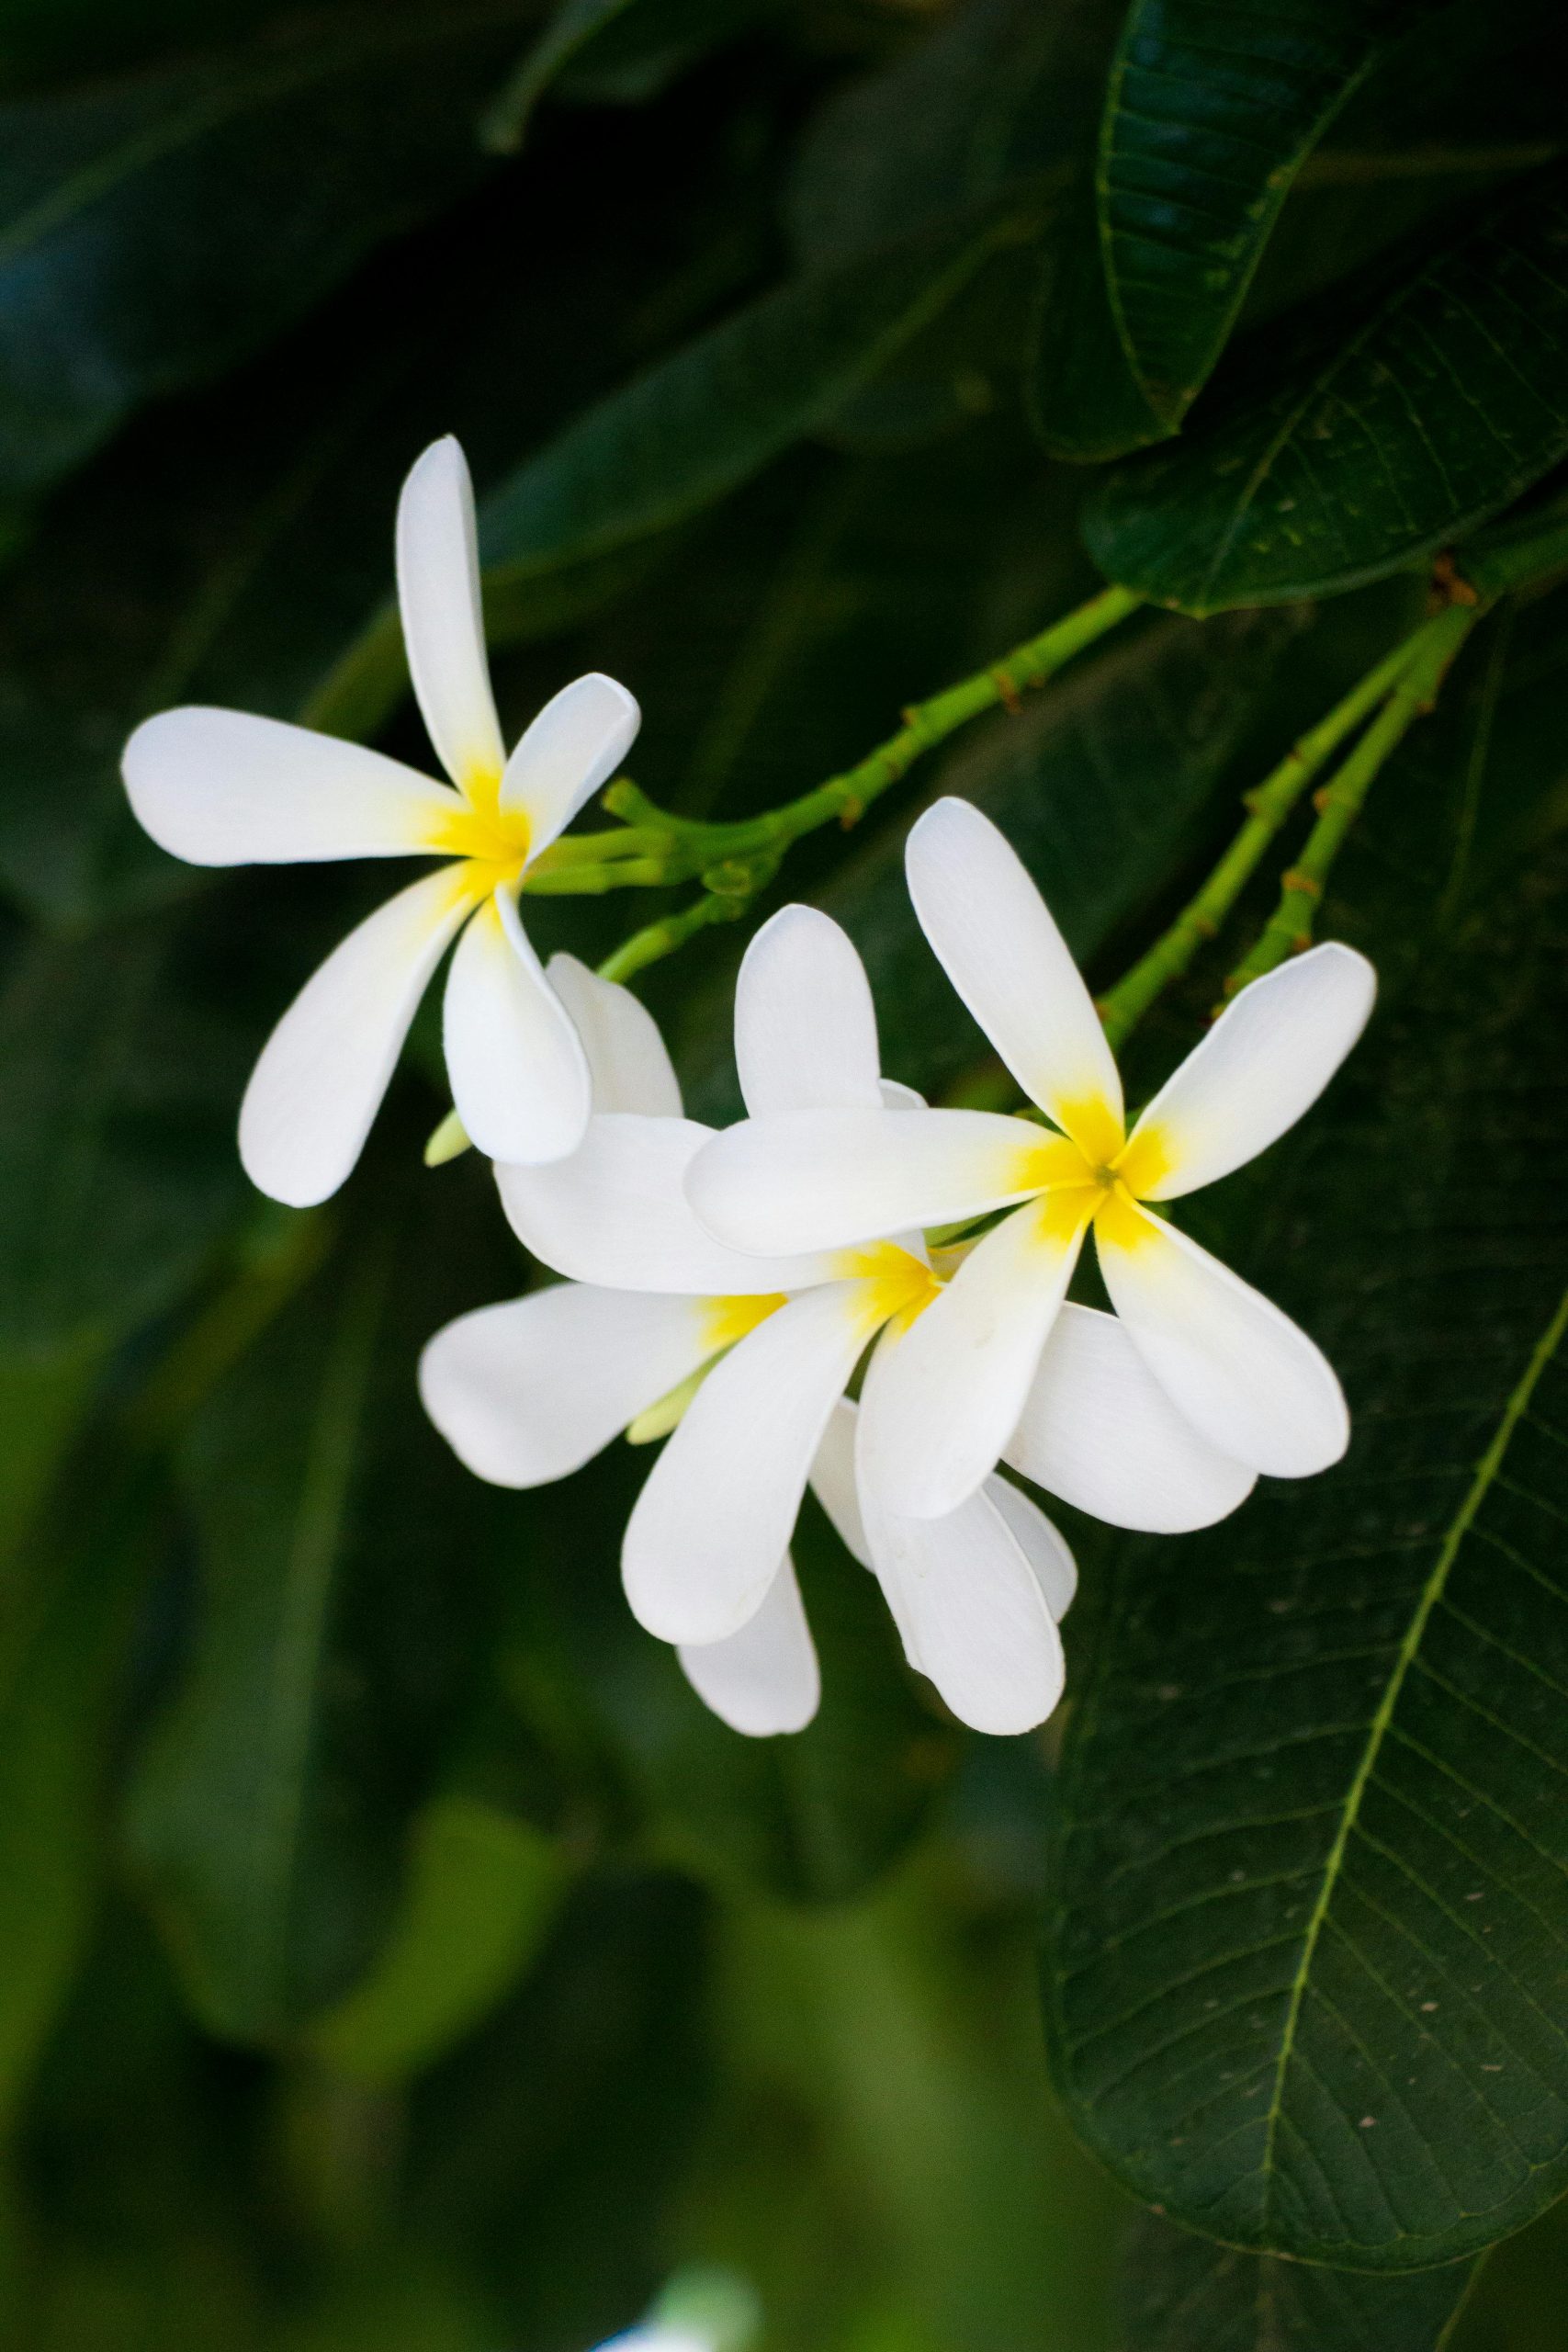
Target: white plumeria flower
{"x": 222, "y": 787}
{"x": 1248, "y": 1381}
{"x": 756, "y": 1355}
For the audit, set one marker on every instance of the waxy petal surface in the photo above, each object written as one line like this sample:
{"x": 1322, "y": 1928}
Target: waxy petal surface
{"x": 532, "y": 1389}
{"x": 518, "y": 1073}
{"x": 950, "y": 1389}
{"x": 1247, "y": 1377}
{"x": 627, "y": 1058}
{"x": 763, "y": 1679}
{"x": 805, "y": 1024}
{"x": 616, "y": 1213}
{"x": 323, "y": 1070}
{"x": 998, "y": 945}
{"x": 1264, "y": 1061}
{"x": 822, "y": 1179}
{"x": 1098, "y": 1429}
{"x": 219, "y": 787}
{"x": 438, "y": 591}
{"x": 714, "y": 1518}
{"x": 562, "y": 757}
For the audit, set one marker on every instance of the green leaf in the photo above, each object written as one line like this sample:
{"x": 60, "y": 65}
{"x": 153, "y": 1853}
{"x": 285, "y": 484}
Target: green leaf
{"x": 67, "y": 1612}
{"x": 554, "y": 2147}
{"x": 1441, "y": 404}
{"x": 1183, "y": 2293}
{"x": 483, "y": 1891}
{"x": 591, "y": 505}
{"x": 337, "y": 1540}
{"x": 118, "y": 1171}
{"x": 155, "y": 231}
{"x": 623, "y": 50}
{"x": 1309, "y": 1936}
{"x": 1211, "y": 109}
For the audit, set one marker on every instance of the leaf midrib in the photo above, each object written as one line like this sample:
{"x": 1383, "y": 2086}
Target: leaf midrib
{"x": 1486, "y": 1473}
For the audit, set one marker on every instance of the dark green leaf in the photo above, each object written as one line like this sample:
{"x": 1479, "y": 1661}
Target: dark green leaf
{"x": 555, "y": 2144}
{"x": 1309, "y": 1943}
{"x": 337, "y": 1542}
{"x": 117, "y": 1155}
{"x": 1182, "y": 2293}
{"x": 679, "y": 437}
{"x": 483, "y": 1889}
{"x": 1211, "y": 109}
{"x": 153, "y": 231}
{"x": 1443, "y": 402}
{"x": 620, "y": 49}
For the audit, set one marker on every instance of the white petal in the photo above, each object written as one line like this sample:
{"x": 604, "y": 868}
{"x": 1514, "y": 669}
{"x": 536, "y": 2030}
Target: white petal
{"x": 995, "y": 938}
{"x": 575, "y": 744}
{"x": 627, "y": 1058}
{"x": 823, "y": 1180}
{"x": 805, "y": 1026}
{"x": 1247, "y": 1377}
{"x": 834, "y": 1481}
{"x": 518, "y": 1073}
{"x": 970, "y": 1608}
{"x": 714, "y": 1518}
{"x": 763, "y": 1679}
{"x": 616, "y": 1213}
{"x": 1043, "y": 1546}
{"x": 438, "y": 590}
{"x": 1264, "y": 1061}
{"x": 949, "y": 1390}
{"x": 325, "y": 1067}
{"x": 530, "y": 1390}
{"x": 1098, "y": 1429}
{"x": 898, "y": 1097}
{"x": 221, "y": 787}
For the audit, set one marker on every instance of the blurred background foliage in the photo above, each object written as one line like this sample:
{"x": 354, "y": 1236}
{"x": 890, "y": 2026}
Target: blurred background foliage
{"x": 393, "y": 1951}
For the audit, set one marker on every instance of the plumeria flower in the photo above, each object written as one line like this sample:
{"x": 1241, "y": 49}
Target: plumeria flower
{"x": 1246, "y": 1381}
{"x": 747, "y": 1360}
{"x": 222, "y": 787}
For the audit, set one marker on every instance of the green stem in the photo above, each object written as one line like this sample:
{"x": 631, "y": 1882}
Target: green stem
{"x": 1289, "y": 928}
{"x": 659, "y": 939}
{"x": 658, "y": 847}
{"x": 1267, "y": 807}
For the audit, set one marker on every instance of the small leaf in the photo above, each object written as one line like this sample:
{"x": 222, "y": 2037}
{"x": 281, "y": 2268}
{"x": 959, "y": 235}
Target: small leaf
{"x": 1211, "y": 109}
{"x": 1309, "y": 1933}
{"x": 1441, "y": 403}
{"x": 1182, "y": 2293}
{"x": 153, "y": 231}
{"x": 483, "y": 1891}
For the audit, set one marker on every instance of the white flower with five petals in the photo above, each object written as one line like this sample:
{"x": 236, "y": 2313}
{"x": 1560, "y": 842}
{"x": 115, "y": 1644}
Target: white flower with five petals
{"x": 956, "y": 1394}
{"x": 223, "y": 787}
{"x": 749, "y": 1360}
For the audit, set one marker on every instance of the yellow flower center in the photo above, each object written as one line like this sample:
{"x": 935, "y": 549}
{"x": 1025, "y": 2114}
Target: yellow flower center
{"x": 492, "y": 840}
{"x": 1093, "y": 1176}
{"x": 896, "y": 1285}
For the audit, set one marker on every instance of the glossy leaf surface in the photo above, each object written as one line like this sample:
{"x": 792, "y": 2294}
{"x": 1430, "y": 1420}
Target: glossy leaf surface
{"x": 1442, "y": 403}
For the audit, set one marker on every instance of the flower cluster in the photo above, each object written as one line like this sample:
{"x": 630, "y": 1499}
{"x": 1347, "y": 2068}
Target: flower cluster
{"x": 848, "y": 1290}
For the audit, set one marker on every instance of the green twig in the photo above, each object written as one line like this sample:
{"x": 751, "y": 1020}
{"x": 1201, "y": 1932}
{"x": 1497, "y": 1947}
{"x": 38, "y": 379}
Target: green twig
{"x": 659, "y": 847}
{"x": 1267, "y": 807}
{"x": 656, "y": 940}
{"x": 1289, "y": 928}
